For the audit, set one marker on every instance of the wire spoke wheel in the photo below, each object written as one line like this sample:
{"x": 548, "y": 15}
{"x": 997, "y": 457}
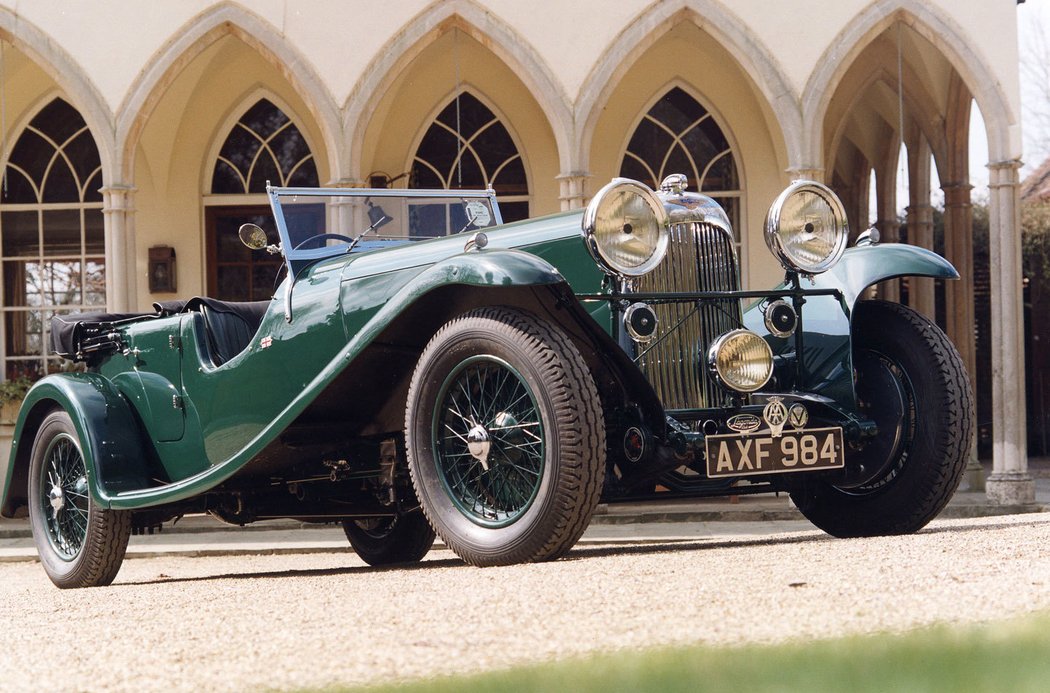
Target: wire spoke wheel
{"x": 488, "y": 441}
{"x": 80, "y": 544}
{"x": 64, "y": 489}
{"x": 505, "y": 437}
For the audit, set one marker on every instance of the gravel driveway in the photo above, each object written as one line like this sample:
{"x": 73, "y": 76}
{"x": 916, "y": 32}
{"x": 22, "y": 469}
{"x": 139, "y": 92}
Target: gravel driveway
{"x": 235, "y": 623}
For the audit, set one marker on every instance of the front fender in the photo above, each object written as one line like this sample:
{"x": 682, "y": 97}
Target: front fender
{"x": 860, "y": 268}
{"x": 115, "y": 451}
{"x": 827, "y": 351}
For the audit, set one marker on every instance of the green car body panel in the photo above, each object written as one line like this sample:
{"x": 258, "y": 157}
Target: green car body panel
{"x": 161, "y": 423}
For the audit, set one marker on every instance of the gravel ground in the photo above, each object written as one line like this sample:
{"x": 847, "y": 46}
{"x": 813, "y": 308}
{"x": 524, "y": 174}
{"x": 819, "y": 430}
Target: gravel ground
{"x": 238, "y": 623}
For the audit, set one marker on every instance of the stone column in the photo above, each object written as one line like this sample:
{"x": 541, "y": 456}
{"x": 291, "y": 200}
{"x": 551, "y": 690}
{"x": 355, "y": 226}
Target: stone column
{"x": 347, "y": 215}
{"x": 1009, "y": 482}
{"x": 958, "y": 242}
{"x": 120, "y": 250}
{"x": 919, "y": 213}
{"x": 922, "y": 296}
{"x": 572, "y": 190}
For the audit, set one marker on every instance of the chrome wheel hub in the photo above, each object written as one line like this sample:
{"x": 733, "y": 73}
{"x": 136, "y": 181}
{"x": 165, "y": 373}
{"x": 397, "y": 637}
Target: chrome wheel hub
{"x": 57, "y": 499}
{"x": 479, "y": 445}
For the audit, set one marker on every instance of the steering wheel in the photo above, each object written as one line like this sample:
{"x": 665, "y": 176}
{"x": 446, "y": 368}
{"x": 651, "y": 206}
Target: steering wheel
{"x": 324, "y": 237}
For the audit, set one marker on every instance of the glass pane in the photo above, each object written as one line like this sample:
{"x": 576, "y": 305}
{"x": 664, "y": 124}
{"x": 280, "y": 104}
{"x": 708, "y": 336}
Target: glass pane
{"x": 23, "y": 285}
{"x": 24, "y": 334}
{"x": 265, "y": 170}
{"x": 290, "y": 148}
{"x": 93, "y": 189}
{"x": 62, "y": 283}
{"x": 514, "y": 211}
{"x": 83, "y": 153}
{"x": 438, "y": 148}
{"x": 305, "y": 176}
{"x": 240, "y": 149}
{"x": 62, "y": 232}
{"x": 32, "y": 153}
{"x": 233, "y": 283}
{"x": 264, "y": 118}
{"x": 94, "y": 232}
{"x": 20, "y": 232}
{"x": 226, "y": 181}
{"x": 17, "y": 189}
{"x": 95, "y": 282}
{"x": 60, "y": 185}
{"x": 59, "y": 121}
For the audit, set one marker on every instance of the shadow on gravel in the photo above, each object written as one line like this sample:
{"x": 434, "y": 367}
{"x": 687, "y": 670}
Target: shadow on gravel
{"x": 314, "y": 572}
{"x": 681, "y": 546}
{"x": 958, "y": 529}
{"x": 577, "y": 554}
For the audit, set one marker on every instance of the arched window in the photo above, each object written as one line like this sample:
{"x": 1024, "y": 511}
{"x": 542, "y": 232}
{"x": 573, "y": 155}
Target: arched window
{"x": 467, "y": 147}
{"x": 678, "y": 135}
{"x": 52, "y": 245}
{"x": 264, "y": 145}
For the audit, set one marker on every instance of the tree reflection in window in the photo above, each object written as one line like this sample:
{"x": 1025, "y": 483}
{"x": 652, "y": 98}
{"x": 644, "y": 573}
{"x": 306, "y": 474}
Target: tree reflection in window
{"x": 52, "y": 247}
{"x": 264, "y": 145}
{"x": 469, "y": 148}
{"x": 678, "y": 135}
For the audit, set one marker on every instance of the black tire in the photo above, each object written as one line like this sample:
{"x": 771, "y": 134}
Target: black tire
{"x": 390, "y": 540}
{"x": 912, "y": 382}
{"x": 79, "y": 543}
{"x": 524, "y": 383}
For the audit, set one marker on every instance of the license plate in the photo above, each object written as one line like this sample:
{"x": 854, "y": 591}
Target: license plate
{"x": 803, "y": 450}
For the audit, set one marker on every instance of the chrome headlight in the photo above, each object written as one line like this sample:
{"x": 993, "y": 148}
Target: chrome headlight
{"x": 741, "y": 360}
{"x": 625, "y": 227}
{"x": 806, "y": 228}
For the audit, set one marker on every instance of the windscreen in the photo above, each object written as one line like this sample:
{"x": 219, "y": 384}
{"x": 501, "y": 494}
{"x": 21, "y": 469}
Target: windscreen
{"x": 324, "y": 221}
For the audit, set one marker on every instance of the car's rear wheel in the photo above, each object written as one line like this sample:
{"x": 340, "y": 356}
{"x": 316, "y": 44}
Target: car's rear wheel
{"x": 390, "y": 540}
{"x": 505, "y": 438}
{"x": 80, "y": 544}
{"x": 911, "y": 381}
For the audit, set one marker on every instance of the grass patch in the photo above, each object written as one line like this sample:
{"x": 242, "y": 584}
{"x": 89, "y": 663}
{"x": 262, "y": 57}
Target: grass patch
{"x": 1009, "y": 656}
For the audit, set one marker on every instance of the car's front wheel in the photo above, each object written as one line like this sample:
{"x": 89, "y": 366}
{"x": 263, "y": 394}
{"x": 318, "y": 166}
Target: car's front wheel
{"x": 912, "y": 383}
{"x": 505, "y": 438}
{"x": 390, "y": 540}
{"x": 79, "y": 543}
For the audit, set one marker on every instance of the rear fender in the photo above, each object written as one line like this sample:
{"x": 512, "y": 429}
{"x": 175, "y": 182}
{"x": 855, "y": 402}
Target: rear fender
{"x": 826, "y": 320}
{"x": 115, "y": 451}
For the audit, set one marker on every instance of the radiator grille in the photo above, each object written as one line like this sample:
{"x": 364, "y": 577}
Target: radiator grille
{"x": 700, "y": 257}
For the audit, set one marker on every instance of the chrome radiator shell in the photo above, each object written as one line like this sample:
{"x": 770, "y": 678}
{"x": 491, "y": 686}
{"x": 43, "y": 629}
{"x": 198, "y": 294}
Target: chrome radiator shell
{"x": 701, "y": 256}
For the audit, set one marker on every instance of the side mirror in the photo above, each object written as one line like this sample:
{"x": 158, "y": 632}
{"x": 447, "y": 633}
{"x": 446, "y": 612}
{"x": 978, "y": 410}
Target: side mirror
{"x": 252, "y": 236}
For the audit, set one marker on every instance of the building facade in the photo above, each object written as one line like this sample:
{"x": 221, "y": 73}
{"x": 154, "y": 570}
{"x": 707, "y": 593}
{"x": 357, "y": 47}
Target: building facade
{"x": 136, "y": 137}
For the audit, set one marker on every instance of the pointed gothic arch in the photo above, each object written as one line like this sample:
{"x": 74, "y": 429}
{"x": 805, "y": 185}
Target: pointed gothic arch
{"x": 726, "y": 29}
{"x": 192, "y": 39}
{"x": 488, "y": 30}
{"x": 943, "y": 34}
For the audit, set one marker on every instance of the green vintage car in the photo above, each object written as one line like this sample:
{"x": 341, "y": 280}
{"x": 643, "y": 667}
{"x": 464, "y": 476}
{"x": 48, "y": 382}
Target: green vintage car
{"x": 423, "y": 368}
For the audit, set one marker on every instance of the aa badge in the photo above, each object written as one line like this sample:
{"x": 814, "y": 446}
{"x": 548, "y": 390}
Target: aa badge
{"x": 775, "y": 414}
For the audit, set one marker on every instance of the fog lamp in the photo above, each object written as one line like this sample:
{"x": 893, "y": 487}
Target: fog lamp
{"x": 741, "y": 360}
